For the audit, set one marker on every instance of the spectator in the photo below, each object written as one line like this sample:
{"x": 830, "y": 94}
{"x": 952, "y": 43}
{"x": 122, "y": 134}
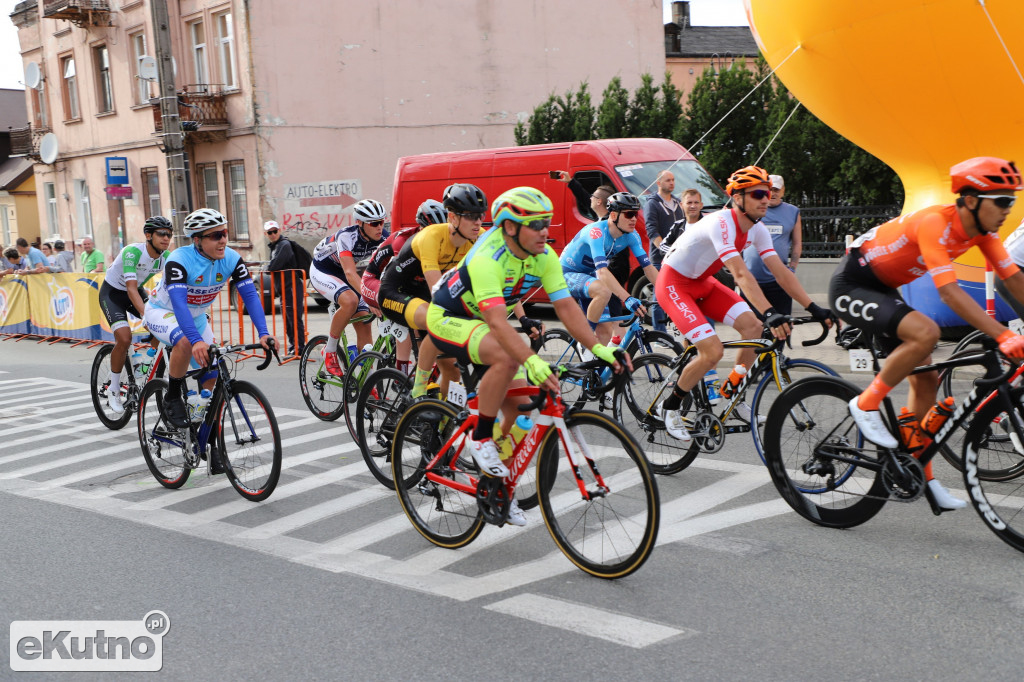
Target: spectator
{"x": 63, "y": 261}
{"x": 661, "y": 213}
{"x": 783, "y": 223}
{"x": 282, "y": 257}
{"x": 48, "y": 252}
{"x": 36, "y": 260}
{"x": 92, "y": 259}
{"x": 13, "y": 262}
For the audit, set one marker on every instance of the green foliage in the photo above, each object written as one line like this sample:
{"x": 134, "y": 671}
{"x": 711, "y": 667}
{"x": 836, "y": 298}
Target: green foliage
{"x": 611, "y": 114}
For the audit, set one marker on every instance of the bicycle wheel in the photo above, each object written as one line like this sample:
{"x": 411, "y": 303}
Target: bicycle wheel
{"x": 383, "y": 399}
{"x": 809, "y": 426}
{"x": 1000, "y": 504}
{"x": 163, "y": 447}
{"x": 445, "y": 516}
{"x": 99, "y": 381}
{"x": 362, "y": 366}
{"x": 790, "y": 370}
{"x": 323, "y": 392}
{"x": 612, "y": 533}
{"x": 249, "y": 442}
{"x": 634, "y": 406}
{"x": 558, "y": 347}
{"x": 654, "y": 342}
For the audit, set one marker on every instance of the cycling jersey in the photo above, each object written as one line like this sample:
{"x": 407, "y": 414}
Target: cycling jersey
{"x": 715, "y": 238}
{"x": 386, "y": 251}
{"x": 592, "y": 246}
{"x": 491, "y": 275}
{"x": 134, "y": 264}
{"x": 928, "y": 240}
{"x": 347, "y": 241}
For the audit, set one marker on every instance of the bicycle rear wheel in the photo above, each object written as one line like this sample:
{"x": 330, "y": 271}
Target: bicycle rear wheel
{"x": 445, "y": 516}
{"x": 611, "y": 534}
{"x": 249, "y": 442}
{"x": 359, "y": 370}
{"x": 163, "y": 447}
{"x": 809, "y": 428}
{"x": 654, "y": 342}
{"x": 1000, "y": 504}
{"x": 323, "y": 392}
{"x": 383, "y": 399}
{"x": 790, "y": 370}
{"x": 99, "y": 381}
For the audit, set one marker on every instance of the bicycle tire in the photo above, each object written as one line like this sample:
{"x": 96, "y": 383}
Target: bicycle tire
{"x": 558, "y": 347}
{"x": 791, "y": 370}
{"x": 360, "y": 369}
{"x": 244, "y": 422}
{"x": 612, "y": 534}
{"x": 444, "y": 516}
{"x": 99, "y": 381}
{"x": 162, "y": 446}
{"x": 655, "y": 342}
{"x": 791, "y": 449}
{"x": 1000, "y": 504}
{"x": 634, "y": 406}
{"x": 323, "y": 393}
{"x": 383, "y": 399}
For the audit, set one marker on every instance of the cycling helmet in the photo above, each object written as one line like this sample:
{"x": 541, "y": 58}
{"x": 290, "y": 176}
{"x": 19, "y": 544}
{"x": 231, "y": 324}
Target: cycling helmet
{"x": 157, "y": 222}
{"x": 202, "y": 220}
{"x": 431, "y": 212}
{"x": 744, "y": 178}
{"x": 623, "y": 201}
{"x": 985, "y": 174}
{"x": 521, "y": 205}
{"x": 464, "y": 198}
{"x": 369, "y": 211}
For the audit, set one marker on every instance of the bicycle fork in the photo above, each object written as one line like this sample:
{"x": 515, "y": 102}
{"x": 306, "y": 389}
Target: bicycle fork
{"x": 574, "y": 437}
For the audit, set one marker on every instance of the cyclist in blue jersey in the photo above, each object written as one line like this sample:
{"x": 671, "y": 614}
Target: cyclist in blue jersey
{"x": 585, "y": 262}
{"x": 176, "y": 312}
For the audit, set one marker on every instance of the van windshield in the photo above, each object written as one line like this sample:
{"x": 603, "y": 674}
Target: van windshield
{"x": 639, "y": 179}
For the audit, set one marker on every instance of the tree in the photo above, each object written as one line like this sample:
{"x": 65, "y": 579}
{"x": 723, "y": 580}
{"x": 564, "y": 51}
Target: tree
{"x": 612, "y": 112}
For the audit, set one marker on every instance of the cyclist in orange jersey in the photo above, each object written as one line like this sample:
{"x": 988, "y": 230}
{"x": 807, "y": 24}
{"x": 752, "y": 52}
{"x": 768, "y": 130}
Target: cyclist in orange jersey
{"x": 863, "y": 289}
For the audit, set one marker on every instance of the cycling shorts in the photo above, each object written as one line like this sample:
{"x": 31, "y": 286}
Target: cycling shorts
{"x": 579, "y": 289}
{"x": 859, "y": 298}
{"x": 690, "y": 302}
{"x": 164, "y": 326}
{"x": 401, "y": 303}
{"x": 457, "y": 337}
{"x": 332, "y": 287}
{"x": 117, "y": 306}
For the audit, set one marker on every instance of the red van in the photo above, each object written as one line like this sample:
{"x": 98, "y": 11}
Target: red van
{"x": 629, "y": 164}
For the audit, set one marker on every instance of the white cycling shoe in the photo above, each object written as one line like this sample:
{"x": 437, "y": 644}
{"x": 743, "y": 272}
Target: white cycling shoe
{"x": 871, "y": 425}
{"x": 114, "y": 402}
{"x": 943, "y": 497}
{"x": 516, "y": 516}
{"x": 674, "y": 424}
{"x": 742, "y": 411}
{"x": 485, "y": 454}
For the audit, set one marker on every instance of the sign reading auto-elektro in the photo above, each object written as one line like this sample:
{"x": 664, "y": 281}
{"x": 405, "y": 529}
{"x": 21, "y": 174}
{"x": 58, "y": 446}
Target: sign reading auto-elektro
{"x": 89, "y": 645}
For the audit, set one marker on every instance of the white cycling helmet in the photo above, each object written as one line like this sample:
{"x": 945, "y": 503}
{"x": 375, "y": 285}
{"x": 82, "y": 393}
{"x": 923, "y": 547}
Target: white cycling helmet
{"x": 431, "y": 212}
{"x": 202, "y": 220}
{"x": 369, "y": 210}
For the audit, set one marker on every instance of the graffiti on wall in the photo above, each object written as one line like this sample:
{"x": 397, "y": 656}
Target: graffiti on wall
{"x": 314, "y": 209}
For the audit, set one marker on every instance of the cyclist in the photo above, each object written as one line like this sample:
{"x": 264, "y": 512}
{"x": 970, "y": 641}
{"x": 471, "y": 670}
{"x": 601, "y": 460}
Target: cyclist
{"x": 176, "y": 312}
{"x": 121, "y": 293}
{"x": 864, "y": 293}
{"x": 335, "y": 275}
{"x": 585, "y": 263}
{"x": 467, "y": 316}
{"x": 689, "y": 293}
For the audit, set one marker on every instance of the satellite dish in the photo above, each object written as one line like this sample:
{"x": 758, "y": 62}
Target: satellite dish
{"x": 33, "y": 77}
{"x": 49, "y": 148}
{"x": 147, "y": 68}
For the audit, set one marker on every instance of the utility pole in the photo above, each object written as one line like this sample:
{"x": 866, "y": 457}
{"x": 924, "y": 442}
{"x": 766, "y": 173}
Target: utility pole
{"x": 174, "y": 139}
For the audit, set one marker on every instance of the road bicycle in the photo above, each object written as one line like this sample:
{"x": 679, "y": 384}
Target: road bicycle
{"x": 595, "y": 489}
{"x": 831, "y": 475}
{"x": 238, "y": 431}
{"x": 655, "y": 375}
{"x": 132, "y": 382}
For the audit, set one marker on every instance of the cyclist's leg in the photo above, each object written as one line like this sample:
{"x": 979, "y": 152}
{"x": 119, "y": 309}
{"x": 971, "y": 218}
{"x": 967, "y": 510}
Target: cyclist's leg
{"x": 599, "y": 295}
{"x": 578, "y": 284}
{"x": 163, "y": 325}
{"x": 723, "y": 303}
{"x": 364, "y": 330}
{"x": 679, "y": 297}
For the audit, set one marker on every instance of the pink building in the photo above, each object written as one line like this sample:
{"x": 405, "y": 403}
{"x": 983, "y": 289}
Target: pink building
{"x": 305, "y": 107}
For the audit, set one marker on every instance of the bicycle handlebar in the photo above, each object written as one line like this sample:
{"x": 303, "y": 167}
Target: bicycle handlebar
{"x": 824, "y": 329}
{"x": 581, "y": 370}
{"x": 217, "y": 351}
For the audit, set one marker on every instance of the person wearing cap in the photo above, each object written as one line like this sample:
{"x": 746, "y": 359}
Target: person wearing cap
{"x": 282, "y": 257}
{"x": 783, "y": 223}
{"x": 63, "y": 261}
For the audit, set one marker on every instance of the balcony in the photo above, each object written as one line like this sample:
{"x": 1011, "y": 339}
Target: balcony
{"x": 25, "y": 141}
{"x": 82, "y": 13}
{"x": 204, "y": 104}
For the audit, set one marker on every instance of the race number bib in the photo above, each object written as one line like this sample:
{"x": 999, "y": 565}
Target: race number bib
{"x": 457, "y": 394}
{"x": 391, "y": 328}
{"x": 860, "y": 360}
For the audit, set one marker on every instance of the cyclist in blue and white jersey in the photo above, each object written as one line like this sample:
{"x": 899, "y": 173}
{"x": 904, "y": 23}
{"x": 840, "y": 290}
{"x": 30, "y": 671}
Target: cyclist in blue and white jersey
{"x": 585, "y": 262}
{"x": 335, "y": 274}
{"x": 176, "y": 312}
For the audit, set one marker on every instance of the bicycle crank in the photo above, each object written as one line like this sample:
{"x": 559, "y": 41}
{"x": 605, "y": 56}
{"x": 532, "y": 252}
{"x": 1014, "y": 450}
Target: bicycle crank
{"x": 903, "y": 477}
{"x": 708, "y": 432}
{"x": 492, "y": 499}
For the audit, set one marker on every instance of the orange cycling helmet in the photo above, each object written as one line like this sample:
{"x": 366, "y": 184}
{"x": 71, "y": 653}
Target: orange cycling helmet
{"x": 751, "y": 176}
{"x": 985, "y": 173}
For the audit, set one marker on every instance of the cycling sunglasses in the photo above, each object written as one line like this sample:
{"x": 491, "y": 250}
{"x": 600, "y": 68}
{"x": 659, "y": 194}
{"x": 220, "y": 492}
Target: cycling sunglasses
{"x": 759, "y": 194}
{"x": 472, "y": 217}
{"x": 537, "y": 224}
{"x": 216, "y": 236}
{"x": 629, "y": 215}
{"x": 164, "y": 233}
{"x": 1000, "y": 200}
{"x": 374, "y": 223}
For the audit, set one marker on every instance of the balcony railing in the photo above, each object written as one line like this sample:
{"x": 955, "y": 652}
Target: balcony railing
{"x": 204, "y": 104}
{"x": 25, "y": 141}
{"x": 79, "y": 12}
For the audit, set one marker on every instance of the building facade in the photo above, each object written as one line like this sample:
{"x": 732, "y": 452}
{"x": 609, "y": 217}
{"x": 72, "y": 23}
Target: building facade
{"x": 690, "y": 50}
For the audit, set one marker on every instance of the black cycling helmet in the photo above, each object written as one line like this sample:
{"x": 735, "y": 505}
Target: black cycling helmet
{"x": 464, "y": 198}
{"x": 623, "y": 201}
{"x": 157, "y": 222}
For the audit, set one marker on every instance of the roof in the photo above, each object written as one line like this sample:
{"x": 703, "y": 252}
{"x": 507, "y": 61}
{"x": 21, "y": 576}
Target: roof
{"x": 15, "y": 171}
{"x": 13, "y": 112}
{"x": 705, "y": 41}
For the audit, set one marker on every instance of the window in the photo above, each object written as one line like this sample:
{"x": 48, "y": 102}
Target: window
{"x": 226, "y": 49}
{"x": 50, "y": 194}
{"x": 238, "y": 216}
{"x": 142, "y": 91}
{"x": 5, "y": 224}
{"x": 38, "y": 98}
{"x": 209, "y": 194}
{"x": 104, "y": 88}
{"x": 69, "y": 83}
{"x": 151, "y": 192}
{"x": 83, "y": 208}
{"x": 198, "y": 34}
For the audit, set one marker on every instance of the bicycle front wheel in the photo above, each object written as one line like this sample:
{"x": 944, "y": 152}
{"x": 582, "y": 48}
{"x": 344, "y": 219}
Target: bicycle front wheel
{"x": 382, "y": 401}
{"x": 249, "y": 442}
{"x": 813, "y": 449}
{"x": 163, "y": 446}
{"x": 99, "y": 383}
{"x": 361, "y": 367}
{"x": 790, "y": 370}
{"x": 558, "y": 347}
{"x": 605, "y": 522}
{"x": 322, "y": 391}
{"x": 447, "y": 517}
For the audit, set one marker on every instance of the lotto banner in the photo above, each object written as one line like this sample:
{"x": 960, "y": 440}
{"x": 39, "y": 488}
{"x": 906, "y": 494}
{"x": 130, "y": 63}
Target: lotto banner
{"x": 66, "y": 305}
{"x": 14, "y": 305}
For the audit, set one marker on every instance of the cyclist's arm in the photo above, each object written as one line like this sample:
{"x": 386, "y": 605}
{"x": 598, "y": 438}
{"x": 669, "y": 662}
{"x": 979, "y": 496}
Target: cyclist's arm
{"x": 1015, "y": 285}
{"x": 961, "y": 303}
{"x": 251, "y": 297}
{"x": 571, "y": 315}
{"x": 432, "y": 277}
{"x": 130, "y": 258}
{"x": 176, "y": 284}
{"x": 132, "y": 287}
{"x": 608, "y": 279}
{"x": 786, "y": 279}
{"x": 507, "y": 337}
{"x": 746, "y": 282}
{"x": 348, "y": 264}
